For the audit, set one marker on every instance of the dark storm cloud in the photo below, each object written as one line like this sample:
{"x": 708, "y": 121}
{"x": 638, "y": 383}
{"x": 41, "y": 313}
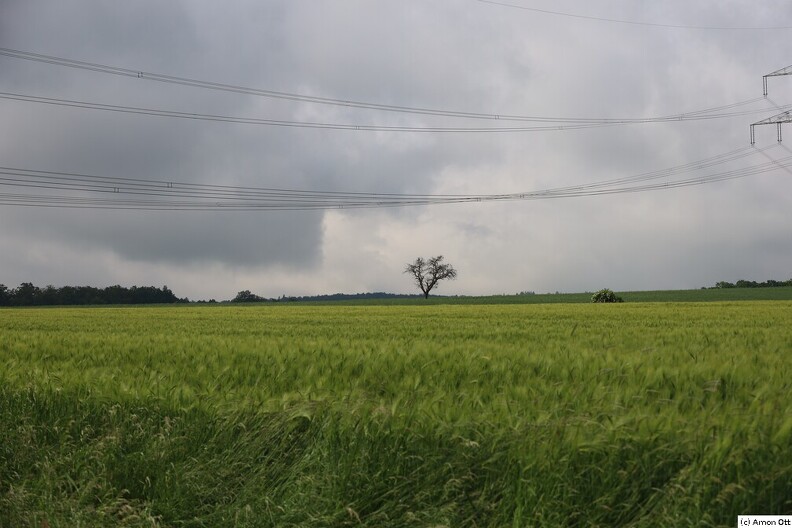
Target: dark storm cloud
{"x": 467, "y": 56}
{"x": 300, "y": 46}
{"x": 277, "y": 46}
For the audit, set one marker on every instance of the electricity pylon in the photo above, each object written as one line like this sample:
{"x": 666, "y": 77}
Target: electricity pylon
{"x": 777, "y": 120}
{"x": 777, "y": 73}
{"x": 784, "y": 117}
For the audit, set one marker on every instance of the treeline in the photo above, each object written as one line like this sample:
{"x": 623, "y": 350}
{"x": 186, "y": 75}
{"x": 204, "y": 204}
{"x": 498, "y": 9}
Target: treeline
{"x": 247, "y": 296}
{"x": 29, "y": 295}
{"x": 753, "y": 284}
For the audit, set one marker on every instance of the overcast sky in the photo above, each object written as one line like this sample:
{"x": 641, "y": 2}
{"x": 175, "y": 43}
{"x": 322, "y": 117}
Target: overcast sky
{"x": 458, "y": 55}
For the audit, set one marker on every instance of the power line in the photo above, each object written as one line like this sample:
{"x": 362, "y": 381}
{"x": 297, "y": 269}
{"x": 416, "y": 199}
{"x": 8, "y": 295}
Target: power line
{"x": 630, "y": 22}
{"x": 126, "y": 72}
{"x": 561, "y": 124}
{"x": 174, "y": 187}
{"x": 292, "y": 123}
{"x": 133, "y": 73}
{"x": 142, "y": 194}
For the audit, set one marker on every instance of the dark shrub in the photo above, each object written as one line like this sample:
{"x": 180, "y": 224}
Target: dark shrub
{"x": 606, "y": 296}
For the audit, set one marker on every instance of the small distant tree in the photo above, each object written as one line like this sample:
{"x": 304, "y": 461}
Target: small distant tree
{"x": 606, "y": 296}
{"x": 246, "y": 296}
{"x": 427, "y": 273}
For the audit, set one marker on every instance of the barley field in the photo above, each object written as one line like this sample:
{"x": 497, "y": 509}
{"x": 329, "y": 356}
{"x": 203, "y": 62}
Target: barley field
{"x": 501, "y": 415}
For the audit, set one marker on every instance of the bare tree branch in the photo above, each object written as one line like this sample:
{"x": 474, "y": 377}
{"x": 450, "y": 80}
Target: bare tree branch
{"x": 427, "y": 273}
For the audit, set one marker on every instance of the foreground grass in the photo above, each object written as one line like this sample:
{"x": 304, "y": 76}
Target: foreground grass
{"x": 559, "y": 415}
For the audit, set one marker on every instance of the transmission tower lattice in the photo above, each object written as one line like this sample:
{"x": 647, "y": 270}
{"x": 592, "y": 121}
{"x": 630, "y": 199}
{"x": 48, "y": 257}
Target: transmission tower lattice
{"x": 777, "y": 120}
{"x": 777, "y": 73}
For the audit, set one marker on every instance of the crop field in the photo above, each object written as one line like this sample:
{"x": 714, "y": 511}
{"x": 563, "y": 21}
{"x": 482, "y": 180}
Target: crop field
{"x": 636, "y": 414}
{"x": 699, "y": 295}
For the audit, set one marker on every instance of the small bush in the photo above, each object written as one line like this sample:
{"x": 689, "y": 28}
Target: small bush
{"x": 606, "y": 296}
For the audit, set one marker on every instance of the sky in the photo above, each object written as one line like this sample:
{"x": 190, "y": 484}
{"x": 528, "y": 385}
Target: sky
{"x": 562, "y": 59}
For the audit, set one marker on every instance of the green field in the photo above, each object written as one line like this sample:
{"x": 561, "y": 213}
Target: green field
{"x": 699, "y": 295}
{"x": 637, "y": 414}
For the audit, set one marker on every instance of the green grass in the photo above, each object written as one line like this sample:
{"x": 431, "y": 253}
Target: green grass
{"x": 639, "y": 414}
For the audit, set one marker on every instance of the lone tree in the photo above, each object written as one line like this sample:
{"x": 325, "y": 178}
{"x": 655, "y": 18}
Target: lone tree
{"x": 427, "y": 273}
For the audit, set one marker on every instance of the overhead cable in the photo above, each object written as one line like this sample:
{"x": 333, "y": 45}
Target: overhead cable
{"x": 132, "y": 73}
{"x": 566, "y": 124}
{"x": 630, "y": 22}
{"x": 89, "y": 191}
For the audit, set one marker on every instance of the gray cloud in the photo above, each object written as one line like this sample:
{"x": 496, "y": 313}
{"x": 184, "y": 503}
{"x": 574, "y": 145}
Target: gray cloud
{"x": 466, "y": 56}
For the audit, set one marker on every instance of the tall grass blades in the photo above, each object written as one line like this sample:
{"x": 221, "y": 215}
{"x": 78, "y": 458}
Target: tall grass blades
{"x": 637, "y": 414}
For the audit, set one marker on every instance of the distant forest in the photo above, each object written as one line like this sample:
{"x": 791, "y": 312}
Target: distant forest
{"x": 754, "y": 284}
{"x": 29, "y": 295}
{"x": 247, "y": 296}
